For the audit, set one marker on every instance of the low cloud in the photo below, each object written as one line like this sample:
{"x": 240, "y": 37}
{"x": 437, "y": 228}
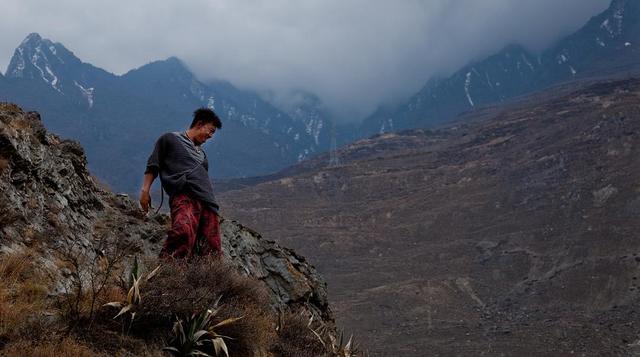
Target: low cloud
{"x": 354, "y": 54}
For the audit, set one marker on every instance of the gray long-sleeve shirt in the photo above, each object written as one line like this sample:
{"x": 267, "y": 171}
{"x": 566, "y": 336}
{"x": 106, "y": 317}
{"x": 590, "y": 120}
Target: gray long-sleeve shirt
{"x": 183, "y": 168}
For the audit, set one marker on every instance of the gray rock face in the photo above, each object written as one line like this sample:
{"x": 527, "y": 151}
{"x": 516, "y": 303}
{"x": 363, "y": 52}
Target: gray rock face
{"x": 49, "y": 201}
{"x": 44, "y": 185}
{"x": 292, "y": 281}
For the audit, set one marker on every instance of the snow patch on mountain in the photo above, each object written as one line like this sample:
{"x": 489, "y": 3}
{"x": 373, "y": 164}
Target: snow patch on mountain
{"x": 54, "y": 78}
{"x": 313, "y": 127}
{"x": 86, "y": 92}
{"x": 387, "y": 126}
{"x": 47, "y": 74}
{"x": 605, "y": 25}
{"x": 489, "y": 81}
{"x": 467, "y": 85}
{"x": 524, "y": 58}
{"x": 53, "y": 51}
{"x": 562, "y": 59}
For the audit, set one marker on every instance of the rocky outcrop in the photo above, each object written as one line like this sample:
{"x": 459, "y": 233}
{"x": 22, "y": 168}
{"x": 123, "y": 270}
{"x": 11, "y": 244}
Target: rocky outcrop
{"x": 49, "y": 201}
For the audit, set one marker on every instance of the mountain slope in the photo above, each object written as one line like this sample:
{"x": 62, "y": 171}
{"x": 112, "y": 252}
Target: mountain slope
{"x": 609, "y": 42}
{"x": 513, "y": 234}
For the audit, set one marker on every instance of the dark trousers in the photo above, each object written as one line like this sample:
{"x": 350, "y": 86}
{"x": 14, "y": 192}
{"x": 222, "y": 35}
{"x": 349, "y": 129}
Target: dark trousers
{"x": 195, "y": 229}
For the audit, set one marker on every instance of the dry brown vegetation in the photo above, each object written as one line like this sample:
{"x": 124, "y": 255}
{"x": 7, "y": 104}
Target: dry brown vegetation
{"x": 64, "y": 347}
{"x": 295, "y": 339}
{"x": 24, "y": 309}
{"x": 77, "y": 323}
{"x": 22, "y": 294}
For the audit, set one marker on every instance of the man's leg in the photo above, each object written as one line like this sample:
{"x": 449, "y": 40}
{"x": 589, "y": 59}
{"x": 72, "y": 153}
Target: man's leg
{"x": 209, "y": 232}
{"x": 185, "y": 215}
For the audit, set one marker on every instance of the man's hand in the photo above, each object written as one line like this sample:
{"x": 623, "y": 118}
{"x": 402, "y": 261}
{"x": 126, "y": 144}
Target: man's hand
{"x": 145, "y": 200}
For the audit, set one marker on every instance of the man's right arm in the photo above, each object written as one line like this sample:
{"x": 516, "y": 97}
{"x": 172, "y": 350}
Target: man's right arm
{"x": 145, "y": 196}
{"x": 151, "y": 172}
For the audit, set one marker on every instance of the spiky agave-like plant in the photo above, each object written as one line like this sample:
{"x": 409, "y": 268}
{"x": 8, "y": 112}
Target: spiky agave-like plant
{"x": 200, "y": 336}
{"x": 134, "y": 298}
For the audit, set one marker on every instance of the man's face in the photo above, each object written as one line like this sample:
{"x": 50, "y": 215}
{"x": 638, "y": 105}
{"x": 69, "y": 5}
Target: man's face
{"x": 203, "y": 132}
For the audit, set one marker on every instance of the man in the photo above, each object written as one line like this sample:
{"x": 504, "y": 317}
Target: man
{"x": 183, "y": 168}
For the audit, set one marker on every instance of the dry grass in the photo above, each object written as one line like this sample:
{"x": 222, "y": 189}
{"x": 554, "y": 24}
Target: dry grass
{"x": 8, "y": 111}
{"x": 65, "y": 347}
{"x": 20, "y": 123}
{"x": 295, "y": 338}
{"x": 23, "y": 296}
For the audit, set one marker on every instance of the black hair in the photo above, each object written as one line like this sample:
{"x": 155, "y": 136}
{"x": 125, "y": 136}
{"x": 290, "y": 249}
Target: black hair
{"x": 205, "y": 115}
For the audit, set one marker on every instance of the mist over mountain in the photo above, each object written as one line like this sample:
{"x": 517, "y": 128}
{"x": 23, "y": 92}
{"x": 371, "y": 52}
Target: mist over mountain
{"x": 609, "y": 42}
{"x": 353, "y": 55}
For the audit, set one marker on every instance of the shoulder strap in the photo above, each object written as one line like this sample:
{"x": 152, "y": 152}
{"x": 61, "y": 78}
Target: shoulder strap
{"x": 161, "y": 199}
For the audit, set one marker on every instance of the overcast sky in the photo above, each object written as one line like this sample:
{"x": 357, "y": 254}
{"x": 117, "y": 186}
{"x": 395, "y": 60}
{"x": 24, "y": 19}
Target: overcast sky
{"x": 354, "y": 54}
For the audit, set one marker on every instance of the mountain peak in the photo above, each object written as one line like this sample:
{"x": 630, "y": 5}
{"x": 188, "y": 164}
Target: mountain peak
{"x": 172, "y": 67}
{"x": 174, "y": 60}
{"x": 33, "y": 37}
{"x": 173, "y": 63}
{"x": 33, "y": 41}
{"x": 41, "y": 58}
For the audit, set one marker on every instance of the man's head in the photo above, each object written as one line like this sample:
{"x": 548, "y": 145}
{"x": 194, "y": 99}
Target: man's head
{"x": 205, "y": 123}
